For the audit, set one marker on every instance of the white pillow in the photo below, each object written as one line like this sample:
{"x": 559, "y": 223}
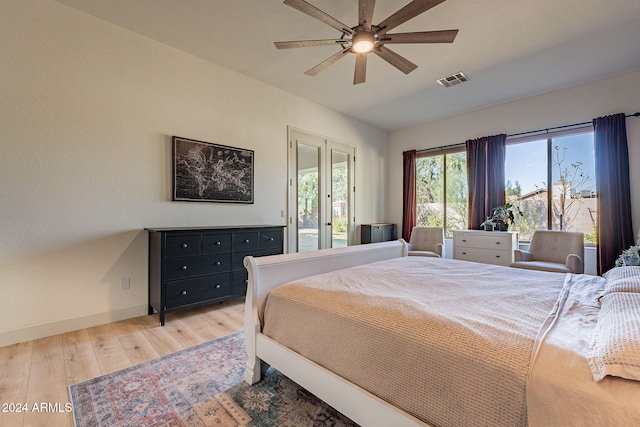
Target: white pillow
{"x": 615, "y": 347}
{"x": 622, "y": 279}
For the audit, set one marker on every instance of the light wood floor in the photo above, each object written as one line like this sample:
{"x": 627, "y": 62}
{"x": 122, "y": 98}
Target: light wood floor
{"x": 40, "y": 371}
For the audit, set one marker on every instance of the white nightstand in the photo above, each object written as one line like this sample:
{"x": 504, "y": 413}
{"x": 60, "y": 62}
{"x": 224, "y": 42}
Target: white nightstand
{"x": 489, "y": 247}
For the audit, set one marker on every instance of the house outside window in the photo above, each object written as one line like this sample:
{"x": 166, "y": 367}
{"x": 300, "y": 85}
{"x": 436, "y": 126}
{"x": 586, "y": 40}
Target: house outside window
{"x": 552, "y": 180}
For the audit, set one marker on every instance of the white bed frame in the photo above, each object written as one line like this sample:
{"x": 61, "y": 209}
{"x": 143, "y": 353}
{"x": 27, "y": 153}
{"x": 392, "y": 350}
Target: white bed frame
{"x": 267, "y": 273}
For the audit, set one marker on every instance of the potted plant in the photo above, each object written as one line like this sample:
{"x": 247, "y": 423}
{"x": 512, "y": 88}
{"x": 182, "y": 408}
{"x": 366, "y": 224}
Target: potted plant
{"x": 629, "y": 257}
{"x": 503, "y": 215}
{"x": 488, "y": 224}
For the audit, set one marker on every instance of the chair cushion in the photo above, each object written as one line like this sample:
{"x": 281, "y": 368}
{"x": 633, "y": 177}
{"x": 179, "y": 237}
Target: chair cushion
{"x": 542, "y": 266}
{"x": 423, "y": 253}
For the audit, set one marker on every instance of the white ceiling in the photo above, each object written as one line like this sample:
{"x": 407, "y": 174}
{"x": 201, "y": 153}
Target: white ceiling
{"x": 509, "y": 49}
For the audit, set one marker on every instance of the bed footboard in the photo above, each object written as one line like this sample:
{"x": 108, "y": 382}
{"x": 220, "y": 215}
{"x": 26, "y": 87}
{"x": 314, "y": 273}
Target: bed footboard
{"x": 267, "y": 273}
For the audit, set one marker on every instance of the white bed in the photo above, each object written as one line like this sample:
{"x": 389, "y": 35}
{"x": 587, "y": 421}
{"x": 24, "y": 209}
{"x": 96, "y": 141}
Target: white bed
{"x": 553, "y": 390}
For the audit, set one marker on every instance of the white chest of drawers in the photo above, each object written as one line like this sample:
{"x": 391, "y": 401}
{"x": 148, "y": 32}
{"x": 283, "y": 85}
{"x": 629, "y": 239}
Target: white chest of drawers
{"x": 489, "y": 247}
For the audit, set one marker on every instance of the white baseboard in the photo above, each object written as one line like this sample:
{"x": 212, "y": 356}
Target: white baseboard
{"x": 68, "y": 325}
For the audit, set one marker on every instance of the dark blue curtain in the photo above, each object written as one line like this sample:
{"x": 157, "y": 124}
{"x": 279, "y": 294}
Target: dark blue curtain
{"x": 615, "y": 231}
{"x": 485, "y": 176}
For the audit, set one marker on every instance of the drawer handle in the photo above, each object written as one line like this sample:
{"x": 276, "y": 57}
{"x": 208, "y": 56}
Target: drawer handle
{"x": 184, "y": 267}
{"x": 218, "y": 286}
{"x": 497, "y": 256}
{"x": 218, "y": 243}
{"x": 246, "y": 241}
{"x": 183, "y": 293}
{"x": 217, "y": 262}
{"x": 271, "y": 239}
{"x": 464, "y": 253}
{"x": 184, "y": 245}
{"x": 464, "y": 240}
{"x": 497, "y": 243}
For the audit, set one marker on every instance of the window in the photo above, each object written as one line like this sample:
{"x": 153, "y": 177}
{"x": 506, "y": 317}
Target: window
{"x": 552, "y": 181}
{"x": 441, "y": 190}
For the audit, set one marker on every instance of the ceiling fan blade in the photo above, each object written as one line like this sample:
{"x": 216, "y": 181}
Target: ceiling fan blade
{"x": 360, "y": 74}
{"x": 394, "y": 59}
{"x": 444, "y": 36}
{"x": 308, "y": 43}
{"x": 365, "y": 13}
{"x": 413, "y": 9}
{"x": 324, "y": 64}
{"x": 316, "y": 13}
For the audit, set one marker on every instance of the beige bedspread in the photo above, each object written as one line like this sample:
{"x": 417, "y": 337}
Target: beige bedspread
{"x": 448, "y": 341}
{"x": 561, "y": 390}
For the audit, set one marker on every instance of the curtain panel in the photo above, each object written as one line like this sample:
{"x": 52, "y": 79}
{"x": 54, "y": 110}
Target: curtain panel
{"x": 408, "y": 193}
{"x": 486, "y": 176}
{"x": 615, "y": 231}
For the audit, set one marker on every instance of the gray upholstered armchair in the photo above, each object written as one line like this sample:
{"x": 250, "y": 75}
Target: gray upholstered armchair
{"x": 426, "y": 241}
{"x": 559, "y": 251}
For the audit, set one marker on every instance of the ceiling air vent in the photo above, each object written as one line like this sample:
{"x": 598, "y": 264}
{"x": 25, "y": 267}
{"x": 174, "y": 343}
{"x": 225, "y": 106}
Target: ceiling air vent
{"x": 453, "y": 80}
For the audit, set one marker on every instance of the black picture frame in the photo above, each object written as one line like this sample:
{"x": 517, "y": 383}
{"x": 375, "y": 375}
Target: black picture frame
{"x": 207, "y": 172}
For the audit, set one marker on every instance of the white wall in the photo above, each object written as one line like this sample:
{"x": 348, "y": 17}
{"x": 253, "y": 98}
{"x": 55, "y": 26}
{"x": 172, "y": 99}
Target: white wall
{"x": 87, "y": 112}
{"x": 578, "y": 104}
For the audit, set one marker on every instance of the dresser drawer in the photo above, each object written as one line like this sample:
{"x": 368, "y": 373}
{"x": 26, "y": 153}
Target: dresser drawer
{"x": 271, "y": 239}
{"x": 487, "y": 256}
{"x": 197, "y": 266}
{"x": 245, "y": 241}
{"x": 237, "y": 259}
{"x": 489, "y": 240}
{"x": 187, "y": 245}
{"x": 190, "y": 291}
{"x": 216, "y": 243}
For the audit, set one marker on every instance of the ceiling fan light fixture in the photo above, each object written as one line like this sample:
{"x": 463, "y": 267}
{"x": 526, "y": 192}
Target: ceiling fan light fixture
{"x": 366, "y": 38}
{"x": 363, "y": 42}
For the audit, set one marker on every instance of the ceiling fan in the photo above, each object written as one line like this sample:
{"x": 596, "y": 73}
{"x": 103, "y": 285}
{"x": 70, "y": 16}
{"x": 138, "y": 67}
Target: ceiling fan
{"x": 365, "y": 37}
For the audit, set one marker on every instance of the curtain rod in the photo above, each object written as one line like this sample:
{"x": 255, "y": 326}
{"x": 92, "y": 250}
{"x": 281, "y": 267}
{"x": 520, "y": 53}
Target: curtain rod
{"x": 546, "y": 130}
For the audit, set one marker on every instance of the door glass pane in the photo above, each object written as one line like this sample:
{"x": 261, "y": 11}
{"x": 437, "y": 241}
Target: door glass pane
{"x": 574, "y": 201}
{"x": 308, "y": 197}
{"x": 526, "y": 186}
{"x": 339, "y": 198}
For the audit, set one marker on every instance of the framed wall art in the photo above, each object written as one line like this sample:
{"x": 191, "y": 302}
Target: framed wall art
{"x": 206, "y": 172}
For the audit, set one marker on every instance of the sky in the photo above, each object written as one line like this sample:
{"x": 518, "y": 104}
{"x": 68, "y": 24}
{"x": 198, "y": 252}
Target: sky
{"x": 527, "y": 162}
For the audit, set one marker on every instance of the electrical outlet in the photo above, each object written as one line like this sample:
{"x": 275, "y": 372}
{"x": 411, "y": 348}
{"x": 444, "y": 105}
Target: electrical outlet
{"x": 125, "y": 283}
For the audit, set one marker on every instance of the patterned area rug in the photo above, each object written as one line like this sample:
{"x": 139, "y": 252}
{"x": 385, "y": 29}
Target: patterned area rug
{"x": 198, "y": 386}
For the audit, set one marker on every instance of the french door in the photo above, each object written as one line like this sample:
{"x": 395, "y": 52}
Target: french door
{"x": 321, "y": 190}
